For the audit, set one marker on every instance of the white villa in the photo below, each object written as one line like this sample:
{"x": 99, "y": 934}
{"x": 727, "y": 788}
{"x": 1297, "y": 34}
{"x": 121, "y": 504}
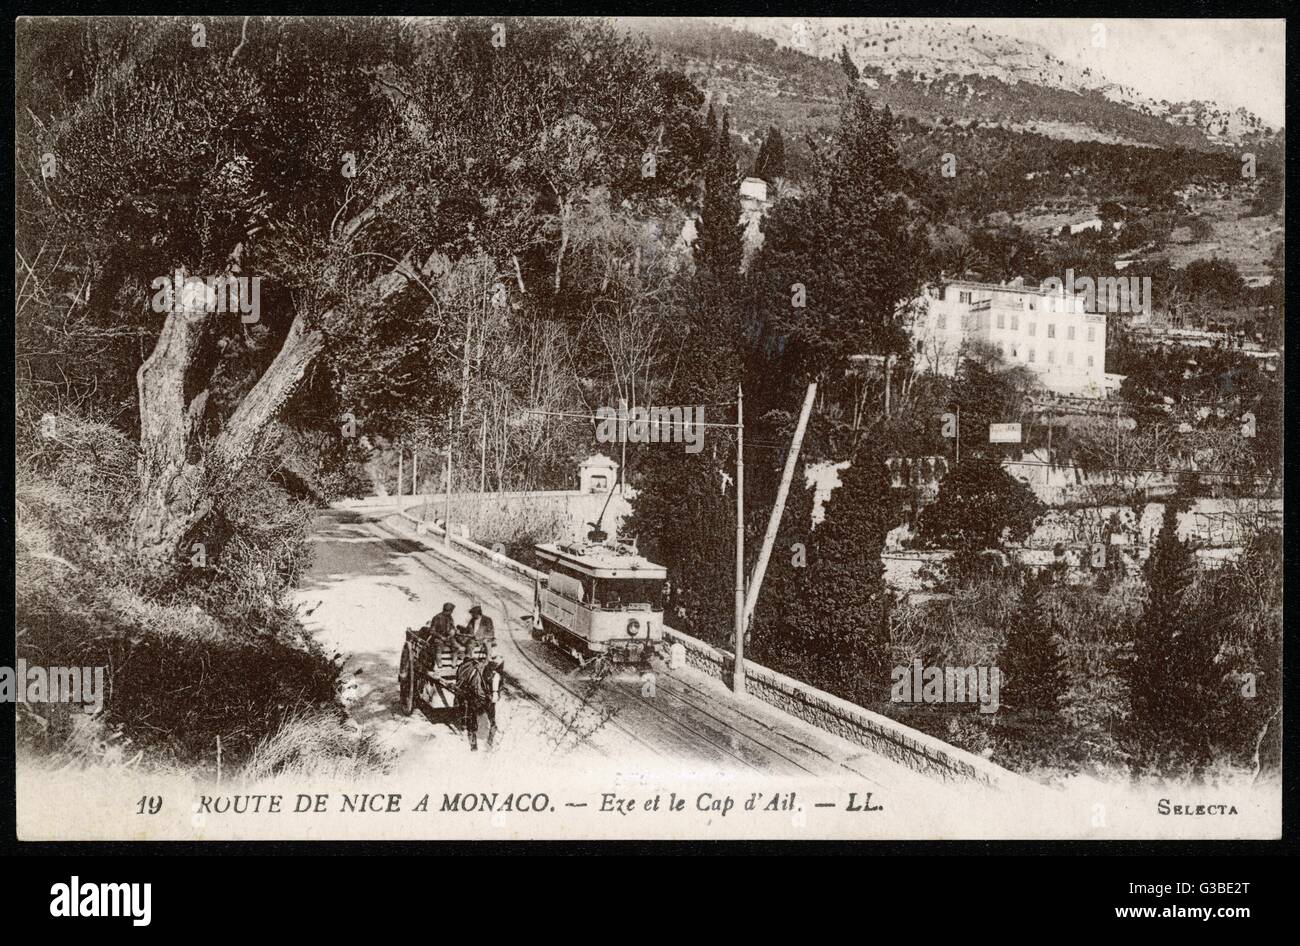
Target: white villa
{"x": 1046, "y": 331}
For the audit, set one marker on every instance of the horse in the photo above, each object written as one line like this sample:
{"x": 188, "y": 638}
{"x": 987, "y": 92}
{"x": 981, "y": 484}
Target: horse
{"x": 478, "y": 687}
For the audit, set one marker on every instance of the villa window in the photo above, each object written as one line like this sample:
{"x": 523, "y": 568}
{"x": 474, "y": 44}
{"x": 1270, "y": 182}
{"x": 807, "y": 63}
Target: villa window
{"x": 1092, "y": 334}
{"x": 1069, "y": 357}
{"x": 1002, "y": 320}
{"x": 1033, "y": 329}
{"x": 1051, "y": 356}
{"x": 1051, "y": 330}
{"x": 1031, "y": 354}
{"x": 963, "y": 297}
{"x": 943, "y": 321}
{"x": 1015, "y": 323}
{"x": 1069, "y": 333}
{"x": 1090, "y": 361}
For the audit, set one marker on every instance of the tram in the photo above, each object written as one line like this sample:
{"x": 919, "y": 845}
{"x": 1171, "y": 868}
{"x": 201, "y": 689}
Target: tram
{"x": 600, "y": 600}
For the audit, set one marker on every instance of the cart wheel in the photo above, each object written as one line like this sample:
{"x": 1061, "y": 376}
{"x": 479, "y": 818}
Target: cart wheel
{"x": 406, "y": 682}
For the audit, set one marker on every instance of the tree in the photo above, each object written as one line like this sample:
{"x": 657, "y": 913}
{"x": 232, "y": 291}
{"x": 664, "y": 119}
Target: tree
{"x": 786, "y": 584}
{"x": 836, "y": 635}
{"x": 988, "y": 391}
{"x": 979, "y": 504}
{"x": 719, "y": 243}
{"x": 1031, "y": 664}
{"x": 846, "y": 64}
{"x": 381, "y": 157}
{"x": 1243, "y": 601}
{"x": 1173, "y": 680}
{"x": 838, "y": 266}
{"x": 698, "y": 550}
{"x": 770, "y": 163}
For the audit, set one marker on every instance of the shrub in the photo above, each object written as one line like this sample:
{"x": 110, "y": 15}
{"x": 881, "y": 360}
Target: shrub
{"x": 220, "y": 656}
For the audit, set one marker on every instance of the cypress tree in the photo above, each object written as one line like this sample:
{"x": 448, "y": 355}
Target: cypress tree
{"x": 842, "y": 623}
{"x": 770, "y": 163}
{"x": 846, "y": 63}
{"x": 1172, "y": 676}
{"x": 1031, "y": 665}
{"x": 719, "y": 244}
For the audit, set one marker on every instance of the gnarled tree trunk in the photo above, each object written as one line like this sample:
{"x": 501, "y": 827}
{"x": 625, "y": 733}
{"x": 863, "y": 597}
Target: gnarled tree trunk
{"x": 172, "y": 498}
{"x": 176, "y": 476}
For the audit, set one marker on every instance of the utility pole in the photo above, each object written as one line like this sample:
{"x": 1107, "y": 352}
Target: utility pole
{"x": 446, "y": 516}
{"x": 1117, "y": 435}
{"x": 738, "y": 678}
{"x": 958, "y": 460}
{"x": 415, "y": 470}
{"x": 778, "y": 508}
{"x": 482, "y": 458}
{"x": 401, "y": 455}
{"x": 889, "y": 361}
{"x": 622, "y": 461}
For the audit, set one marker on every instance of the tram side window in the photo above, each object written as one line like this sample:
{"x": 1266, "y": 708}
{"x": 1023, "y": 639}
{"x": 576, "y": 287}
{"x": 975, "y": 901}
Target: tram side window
{"x": 570, "y": 586}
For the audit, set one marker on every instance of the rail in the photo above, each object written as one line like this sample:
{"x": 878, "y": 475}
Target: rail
{"x": 879, "y": 734}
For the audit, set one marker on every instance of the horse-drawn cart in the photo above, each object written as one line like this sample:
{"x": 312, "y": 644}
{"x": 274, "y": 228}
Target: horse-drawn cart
{"x": 418, "y": 678}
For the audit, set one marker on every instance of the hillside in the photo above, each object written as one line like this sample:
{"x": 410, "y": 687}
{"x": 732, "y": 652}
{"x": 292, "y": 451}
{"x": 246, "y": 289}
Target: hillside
{"x": 934, "y": 72}
{"x": 948, "y": 60}
{"x": 1034, "y": 137}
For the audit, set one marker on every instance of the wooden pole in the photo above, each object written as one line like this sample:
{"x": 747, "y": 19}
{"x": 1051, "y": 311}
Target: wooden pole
{"x": 738, "y": 678}
{"x": 446, "y": 516}
{"x": 505, "y": 453}
{"x": 622, "y": 460}
{"x": 482, "y": 458}
{"x": 778, "y": 508}
{"x": 401, "y": 454}
{"x": 889, "y": 359}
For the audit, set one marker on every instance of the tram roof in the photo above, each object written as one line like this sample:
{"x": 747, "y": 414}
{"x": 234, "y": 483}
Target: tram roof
{"x": 601, "y": 561}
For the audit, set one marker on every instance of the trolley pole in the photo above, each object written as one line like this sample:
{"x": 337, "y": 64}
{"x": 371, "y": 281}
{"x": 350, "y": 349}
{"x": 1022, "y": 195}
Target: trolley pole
{"x": 738, "y": 678}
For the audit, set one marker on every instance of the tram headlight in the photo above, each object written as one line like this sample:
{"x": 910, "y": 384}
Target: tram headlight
{"x": 633, "y": 627}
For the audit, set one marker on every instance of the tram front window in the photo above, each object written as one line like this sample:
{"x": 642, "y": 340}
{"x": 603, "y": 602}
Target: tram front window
{"x": 628, "y": 594}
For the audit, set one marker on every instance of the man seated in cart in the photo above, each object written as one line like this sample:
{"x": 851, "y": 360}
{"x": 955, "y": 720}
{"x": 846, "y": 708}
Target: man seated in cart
{"x": 441, "y": 634}
{"x": 479, "y": 628}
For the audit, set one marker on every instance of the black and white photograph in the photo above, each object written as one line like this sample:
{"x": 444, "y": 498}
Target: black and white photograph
{"x": 528, "y": 428}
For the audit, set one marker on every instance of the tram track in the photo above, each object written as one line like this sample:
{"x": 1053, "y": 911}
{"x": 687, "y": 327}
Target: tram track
{"x": 472, "y": 583}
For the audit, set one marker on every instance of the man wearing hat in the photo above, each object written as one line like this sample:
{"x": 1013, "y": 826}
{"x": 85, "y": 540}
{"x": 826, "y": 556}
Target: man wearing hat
{"x": 441, "y": 631}
{"x": 480, "y": 626}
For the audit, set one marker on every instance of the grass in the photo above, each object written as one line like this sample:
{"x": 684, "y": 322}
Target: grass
{"x": 213, "y": 669}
